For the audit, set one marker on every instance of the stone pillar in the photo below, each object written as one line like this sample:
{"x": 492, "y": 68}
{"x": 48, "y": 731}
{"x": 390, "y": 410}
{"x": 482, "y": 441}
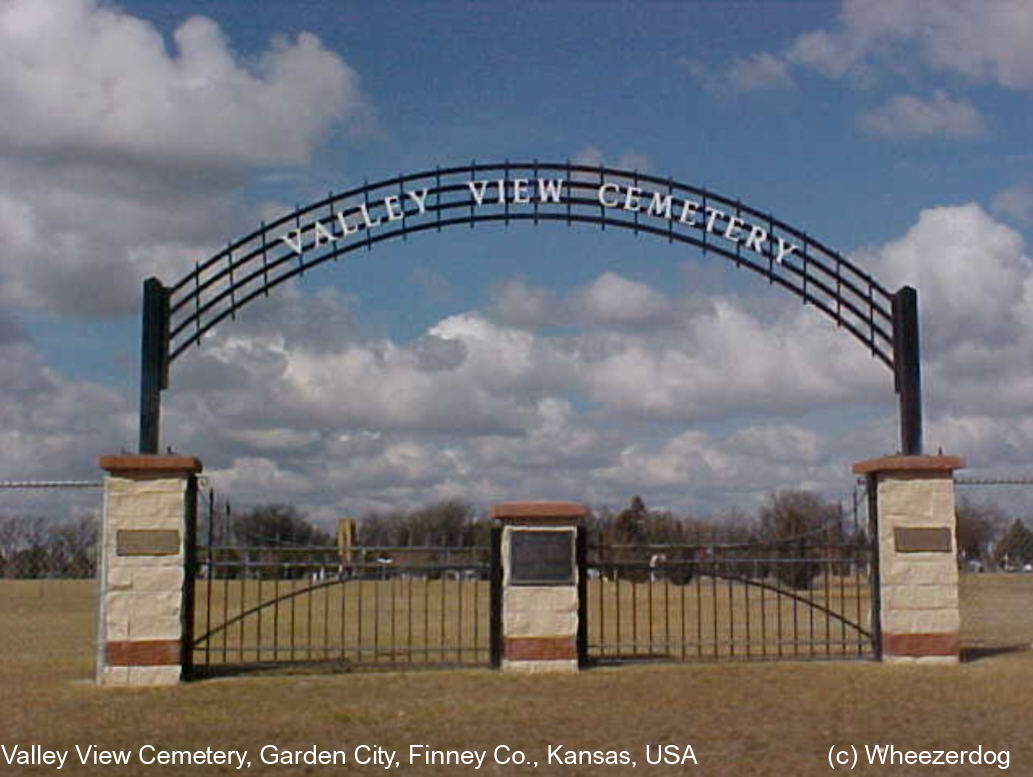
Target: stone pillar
{"x": 911, "y": 500}
{"x": 145, "y": 602}
{"x": 539, "y": 585}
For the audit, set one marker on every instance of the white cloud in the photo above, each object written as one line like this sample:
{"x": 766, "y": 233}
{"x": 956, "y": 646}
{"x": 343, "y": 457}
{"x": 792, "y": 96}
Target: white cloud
{"x": 517, "y": 303}
{"x": 628, "y": 160}
{"x": 613, "y": 299}
{"x": 722, "y": 357}
{"x": 985, "y": 42}
{"x": 85, "y": 80}
{"x": 52, "y": 427}
{"x": 1015, "y": 204}
{"x": 907, "y": 116}
{"x": 294, "y": 401}
{"x": 754, "y": 73}
{"x": 970, "y": 272}
{"x": 119, "y": 159}
{"x": 750, "y": 460}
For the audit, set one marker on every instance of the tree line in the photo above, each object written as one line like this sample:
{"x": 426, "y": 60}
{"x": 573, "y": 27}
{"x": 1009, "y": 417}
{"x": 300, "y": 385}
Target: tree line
{"x": 32, "y": 546}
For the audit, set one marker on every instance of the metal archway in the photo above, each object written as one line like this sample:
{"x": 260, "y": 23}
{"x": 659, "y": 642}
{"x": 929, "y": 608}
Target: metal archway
{"x": 176, "y": 316}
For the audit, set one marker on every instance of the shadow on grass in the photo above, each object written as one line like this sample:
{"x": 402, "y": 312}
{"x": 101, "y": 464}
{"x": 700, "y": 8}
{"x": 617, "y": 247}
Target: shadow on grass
{"x": 330, "y": 667}
{"x": 979, "y": 652}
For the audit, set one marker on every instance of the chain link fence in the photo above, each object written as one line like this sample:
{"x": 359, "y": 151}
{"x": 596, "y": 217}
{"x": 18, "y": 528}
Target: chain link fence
{"x": 49, "y": 529}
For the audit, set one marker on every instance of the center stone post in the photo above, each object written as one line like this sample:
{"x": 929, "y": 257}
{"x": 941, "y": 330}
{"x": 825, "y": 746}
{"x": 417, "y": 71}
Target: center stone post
{"x": 540, "y": 582}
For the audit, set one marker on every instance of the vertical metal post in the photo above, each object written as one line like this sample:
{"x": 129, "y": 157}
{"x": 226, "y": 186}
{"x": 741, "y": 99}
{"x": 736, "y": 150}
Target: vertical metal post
{"x": 186, "y": 650}
{"x": 907, "y": 372}
{"x": 154, "y": 363}
{"x": 495, "y": 600}
{"x": 875, "y": 574}
{"x": 582, "y": 595}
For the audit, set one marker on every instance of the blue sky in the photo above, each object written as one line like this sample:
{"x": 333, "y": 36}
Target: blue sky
{"x": 142, "y": 136}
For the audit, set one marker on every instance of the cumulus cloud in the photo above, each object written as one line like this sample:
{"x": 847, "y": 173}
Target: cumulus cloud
{"x": 970, "y": 270}
{"x": 612, "y": 299}
{"x": 83, "y": 80}
{"x": 907, "y": 116}
{"x": 983, "y": 42}
{"x": 1015, "y": 204}
{"x": 121, "y": 156}
{"x": 294, "y": 400}
{"x": 750, "y": 74}
{"x": 53, "y": 427}
{"x": 627, "y": 160}
{"x": 748, "y": 461}
{"x": 486, "y": 409}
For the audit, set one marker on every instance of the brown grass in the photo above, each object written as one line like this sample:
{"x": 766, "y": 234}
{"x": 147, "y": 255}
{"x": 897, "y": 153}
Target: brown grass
{"x": 742, "y": 718}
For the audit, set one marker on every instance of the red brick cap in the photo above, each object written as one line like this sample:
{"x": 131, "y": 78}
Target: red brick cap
{"x": 909, "y": 464}
{"x": 510, "y": 510}
{"x": 149, "y": 462}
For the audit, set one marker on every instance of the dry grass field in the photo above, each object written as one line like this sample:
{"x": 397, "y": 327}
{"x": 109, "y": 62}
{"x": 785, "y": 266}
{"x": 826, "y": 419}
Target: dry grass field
{"x": 766, "y": 718}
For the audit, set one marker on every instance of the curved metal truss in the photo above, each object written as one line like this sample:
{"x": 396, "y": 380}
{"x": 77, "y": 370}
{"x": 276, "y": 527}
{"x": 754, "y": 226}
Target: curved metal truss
{"x": 177, "y": 316}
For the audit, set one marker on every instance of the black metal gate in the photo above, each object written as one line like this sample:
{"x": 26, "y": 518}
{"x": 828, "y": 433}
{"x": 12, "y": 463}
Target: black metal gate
{"x": 263, "y": 607}
{"x": 806, "y": 597}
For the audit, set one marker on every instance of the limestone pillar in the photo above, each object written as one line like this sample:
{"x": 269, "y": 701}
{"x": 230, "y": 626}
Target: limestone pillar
{"x": 540, "y": 602}
{"x": 911, "y": 499}
{"x": 145, "y": 602}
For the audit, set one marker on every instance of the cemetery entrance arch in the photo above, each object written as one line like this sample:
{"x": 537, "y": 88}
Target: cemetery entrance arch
{"x": 177, "y": 316}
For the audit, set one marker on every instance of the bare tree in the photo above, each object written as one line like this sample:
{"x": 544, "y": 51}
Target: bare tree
{"x": 979, "y": 525}
{"x": 793, "y": 521}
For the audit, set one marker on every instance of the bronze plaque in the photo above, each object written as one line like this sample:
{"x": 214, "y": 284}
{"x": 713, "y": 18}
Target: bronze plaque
{"x": 541, "y": 557}
{"x": 147, "y": 542}
{"x": 909, "y": 540}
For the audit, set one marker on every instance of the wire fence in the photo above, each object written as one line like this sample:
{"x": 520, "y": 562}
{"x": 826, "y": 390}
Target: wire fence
{"x": 34, "y": 544}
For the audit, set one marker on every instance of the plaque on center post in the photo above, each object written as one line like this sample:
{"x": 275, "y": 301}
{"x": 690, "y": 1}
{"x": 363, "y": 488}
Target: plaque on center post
{"x": 542, "y": 557}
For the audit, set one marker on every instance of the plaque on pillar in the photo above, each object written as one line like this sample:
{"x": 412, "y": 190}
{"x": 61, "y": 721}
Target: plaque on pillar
{"x": 541, "y": 557}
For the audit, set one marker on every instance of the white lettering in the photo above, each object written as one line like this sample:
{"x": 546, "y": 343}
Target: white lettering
{"x": 366, "y": 220}
{"x": 500, "y": 186}
{"x": 420, "y": 198}
{"x": 520, "y": 193}
{"x": 688, "y": 212}
{"x": 394, "y": 212}
{"x": 784, "y": 249}
{"x": 606, "y": 187}
{"x": 757, "y": 236}
{"x": 294, "y": 242}
{"x": 549, "y": 190}
{"x": 732, "y": 230}
{"x": 660, "y": 205}
{"x": 631, "y": 198}
{"x": 477, "y": 189}
{"x": 323, "y": 235}
{"x": 345, "y": 229}
{"x": 712, "y": 218}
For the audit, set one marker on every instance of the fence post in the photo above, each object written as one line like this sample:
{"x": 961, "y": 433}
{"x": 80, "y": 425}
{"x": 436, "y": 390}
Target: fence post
{"x": 540, "y": 624}
{"x": 916, "y": 615}
{"x": 145, "y": 603}
{"x": 582, "y": 596}
{"x": 495, "y": 603}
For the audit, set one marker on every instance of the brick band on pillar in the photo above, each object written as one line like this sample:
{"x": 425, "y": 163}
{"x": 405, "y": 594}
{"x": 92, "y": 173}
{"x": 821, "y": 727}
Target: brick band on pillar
{"x": 915, "y": 525}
